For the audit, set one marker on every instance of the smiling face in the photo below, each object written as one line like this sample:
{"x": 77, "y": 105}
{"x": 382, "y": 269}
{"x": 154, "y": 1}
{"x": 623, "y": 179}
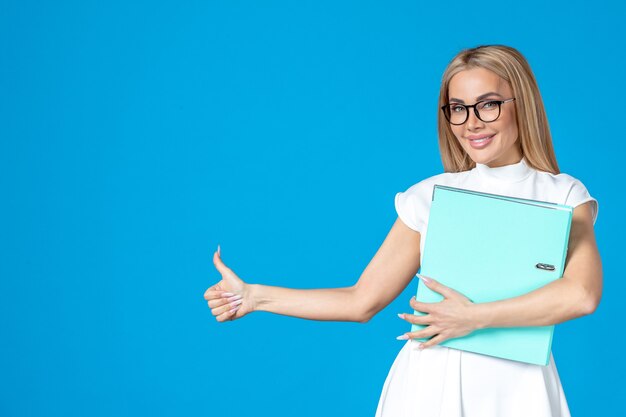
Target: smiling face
{"x": 501, "y": 146}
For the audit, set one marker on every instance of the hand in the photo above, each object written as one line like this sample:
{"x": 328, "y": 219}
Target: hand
{"x": 230, "y": 298}
{"x": 447, "y": 319}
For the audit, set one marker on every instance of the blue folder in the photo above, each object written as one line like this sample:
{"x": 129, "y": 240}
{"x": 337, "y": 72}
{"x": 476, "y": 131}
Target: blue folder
{"x": 491, "y": 247}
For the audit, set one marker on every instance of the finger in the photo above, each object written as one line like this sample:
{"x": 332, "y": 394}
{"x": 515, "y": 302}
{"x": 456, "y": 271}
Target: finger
{"x": 228, "y": 315}
{"x": 415, "y": 319}
{"x": 422, "y": 307}
{"x": 220, "y": 301}
{"x": 437, "y": 286}
{"x": 217, "y": 302}
{"x": 216, "y": 311}
{"x": 224, "y": 308}
{"x": 216, "y": 287}
{"x": 432, "y": 342}
{"x": 221, "y": 267}
{"x": 210, "y": 294}
{"x": 426, "y": 333}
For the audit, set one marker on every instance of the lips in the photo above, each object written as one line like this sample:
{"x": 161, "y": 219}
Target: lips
{"x": 481, "y": 142}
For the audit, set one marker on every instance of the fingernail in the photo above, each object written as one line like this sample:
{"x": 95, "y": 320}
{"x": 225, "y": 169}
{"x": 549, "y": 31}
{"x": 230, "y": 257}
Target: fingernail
{"x": 403, "y": 337}
{"x": 233, "y": 298}
{"x": 420, "y": 346}
{"x": 401, "y": 316}
{"x": 227, "y": 294}
{"x": 234, "y": 309}
{"x": 236, "y": 303}
{"x": 423, "y": 278}
{"x": 218, "y": 251}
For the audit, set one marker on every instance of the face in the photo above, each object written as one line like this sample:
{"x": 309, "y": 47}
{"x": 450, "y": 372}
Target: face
{"x": 501, "y": 146}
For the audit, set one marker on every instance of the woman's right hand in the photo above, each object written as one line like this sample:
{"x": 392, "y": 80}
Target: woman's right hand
{"x": 230, "y": 298}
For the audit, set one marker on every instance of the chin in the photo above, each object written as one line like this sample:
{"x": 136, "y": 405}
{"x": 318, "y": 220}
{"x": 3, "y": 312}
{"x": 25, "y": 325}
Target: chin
{"x": 483, "y": 160}
{"x": 485, "y": 156}
{"x": 479, "y": 157}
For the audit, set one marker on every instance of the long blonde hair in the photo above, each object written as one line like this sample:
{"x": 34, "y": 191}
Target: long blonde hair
{"x": 535, "y": 141}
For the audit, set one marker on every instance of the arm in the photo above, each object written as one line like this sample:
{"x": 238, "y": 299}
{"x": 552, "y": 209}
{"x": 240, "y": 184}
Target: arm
{"x": 388, "y": 273}
{"x": 574, "y": 295}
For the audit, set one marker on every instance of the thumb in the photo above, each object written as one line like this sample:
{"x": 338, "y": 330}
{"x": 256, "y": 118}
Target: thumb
{"x": 227, "y": 274}
{"x": 230, "y": 281}
{"x": 217, "y": 261}
{"x": 436, "y": 286}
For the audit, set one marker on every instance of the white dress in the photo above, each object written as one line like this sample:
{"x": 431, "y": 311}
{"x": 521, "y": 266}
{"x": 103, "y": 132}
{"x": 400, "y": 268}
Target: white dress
{"x": 443, "y": 382}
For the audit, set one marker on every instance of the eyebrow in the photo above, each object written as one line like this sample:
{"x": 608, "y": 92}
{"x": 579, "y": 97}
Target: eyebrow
{"x": 491, "y": 93}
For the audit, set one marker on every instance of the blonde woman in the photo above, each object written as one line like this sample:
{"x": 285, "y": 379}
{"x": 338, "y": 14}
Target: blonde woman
{"x": 493, "y": 137}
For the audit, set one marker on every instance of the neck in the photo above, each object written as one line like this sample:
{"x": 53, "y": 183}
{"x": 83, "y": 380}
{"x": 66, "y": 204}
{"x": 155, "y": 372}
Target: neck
{"x": 497, "y": 164}
{"x": 512, "y": 172}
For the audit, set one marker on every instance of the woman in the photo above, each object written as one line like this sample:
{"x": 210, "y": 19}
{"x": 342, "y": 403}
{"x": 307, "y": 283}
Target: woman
{"x": 493, "y": 137}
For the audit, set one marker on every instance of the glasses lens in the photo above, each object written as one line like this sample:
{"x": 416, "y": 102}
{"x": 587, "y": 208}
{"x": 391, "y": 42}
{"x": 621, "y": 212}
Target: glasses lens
{"x": 488, "y": 110}
{"x": 456, "y": 113}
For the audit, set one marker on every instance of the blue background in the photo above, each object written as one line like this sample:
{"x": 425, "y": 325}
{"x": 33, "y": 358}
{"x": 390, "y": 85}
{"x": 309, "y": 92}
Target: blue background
{"x": 137, "y": 136}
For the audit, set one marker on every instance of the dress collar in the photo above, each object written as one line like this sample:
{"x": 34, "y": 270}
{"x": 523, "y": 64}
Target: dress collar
{"x": 509, "y": 173}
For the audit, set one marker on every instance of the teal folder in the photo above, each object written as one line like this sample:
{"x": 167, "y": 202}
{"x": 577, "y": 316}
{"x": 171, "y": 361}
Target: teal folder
{"x": 491, "y": 247}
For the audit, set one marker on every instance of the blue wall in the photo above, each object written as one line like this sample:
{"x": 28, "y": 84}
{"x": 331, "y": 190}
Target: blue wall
{"x": 135, "y": 137}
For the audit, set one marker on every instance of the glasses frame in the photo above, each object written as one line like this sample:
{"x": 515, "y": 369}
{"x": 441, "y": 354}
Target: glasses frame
{"x": 500, "y": 103}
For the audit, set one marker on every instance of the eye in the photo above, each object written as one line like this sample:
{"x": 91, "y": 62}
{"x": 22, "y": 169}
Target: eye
{"x": 456, "y": 108}
{"x": 489, "y": 105}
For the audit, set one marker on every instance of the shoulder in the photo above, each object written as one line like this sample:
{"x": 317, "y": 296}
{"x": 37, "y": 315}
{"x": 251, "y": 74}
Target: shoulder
{"x": 563, "y": 182}
{"x": 413, "y": 205}
{"x": 425, "y": 186}
{"x": 572, "y": 190}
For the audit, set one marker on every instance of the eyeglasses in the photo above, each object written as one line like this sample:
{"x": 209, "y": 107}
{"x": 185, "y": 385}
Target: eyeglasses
{"x": 487, "y": 111}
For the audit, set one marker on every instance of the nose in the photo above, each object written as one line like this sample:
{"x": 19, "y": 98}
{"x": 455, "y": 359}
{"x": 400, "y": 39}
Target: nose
{"x": 473, "y": 122}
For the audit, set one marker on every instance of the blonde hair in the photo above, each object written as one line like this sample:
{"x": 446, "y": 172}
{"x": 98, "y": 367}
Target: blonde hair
{"x": 535, "y": 141}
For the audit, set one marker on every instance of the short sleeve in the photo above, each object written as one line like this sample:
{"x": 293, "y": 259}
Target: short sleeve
{"x": 413, "y": 205}
{"x": 578, "y": 195}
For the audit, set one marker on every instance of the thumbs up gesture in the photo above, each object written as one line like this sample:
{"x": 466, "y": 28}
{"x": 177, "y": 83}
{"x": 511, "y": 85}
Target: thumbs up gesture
{"x": 230, "y": 298}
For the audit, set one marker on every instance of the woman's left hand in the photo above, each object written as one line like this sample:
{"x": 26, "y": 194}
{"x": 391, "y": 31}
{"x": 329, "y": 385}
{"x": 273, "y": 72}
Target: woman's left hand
{"x": 453, "y": 317}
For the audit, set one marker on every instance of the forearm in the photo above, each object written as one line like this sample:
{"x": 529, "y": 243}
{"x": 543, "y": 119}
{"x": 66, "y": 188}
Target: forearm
{"x": 328, "y": 304}
{"x": 554, "y": 303}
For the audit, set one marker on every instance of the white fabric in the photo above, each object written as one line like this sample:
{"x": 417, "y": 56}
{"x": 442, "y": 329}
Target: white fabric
{"x": 517, "y": 180}
{"x": 443, "y": 382}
